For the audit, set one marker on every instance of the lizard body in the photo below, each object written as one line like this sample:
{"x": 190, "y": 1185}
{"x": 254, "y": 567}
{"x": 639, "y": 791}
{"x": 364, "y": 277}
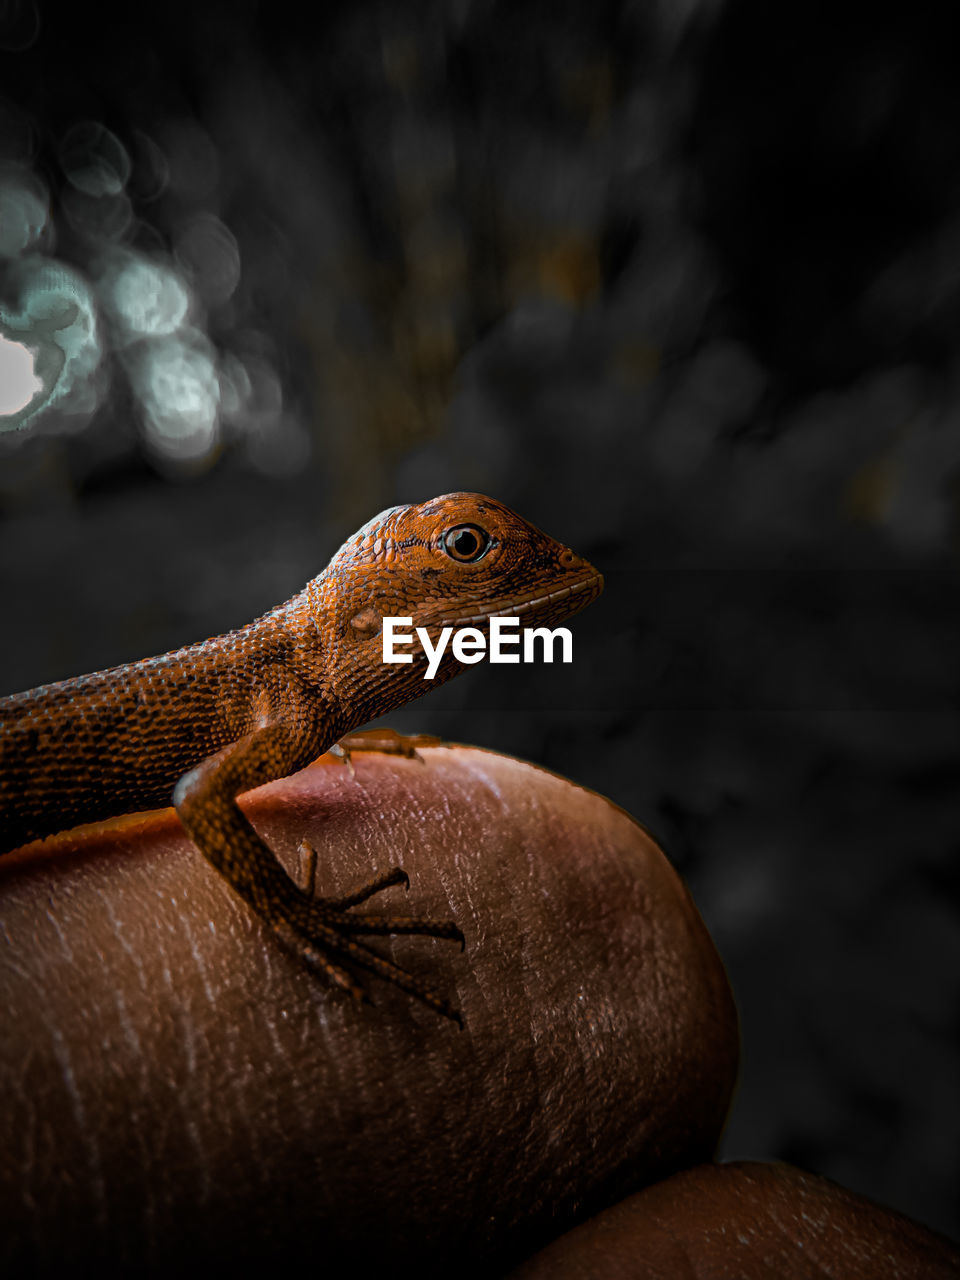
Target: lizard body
{"x": 210, "y": 721}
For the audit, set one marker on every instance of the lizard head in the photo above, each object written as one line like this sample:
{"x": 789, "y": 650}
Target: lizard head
{"x": 455, "y": 561}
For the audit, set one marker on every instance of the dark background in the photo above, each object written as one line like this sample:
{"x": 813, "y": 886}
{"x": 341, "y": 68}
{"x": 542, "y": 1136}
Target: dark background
{"x": 678, "y": 281}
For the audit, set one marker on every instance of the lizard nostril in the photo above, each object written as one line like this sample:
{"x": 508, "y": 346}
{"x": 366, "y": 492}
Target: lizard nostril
{"x": 567, "y": 559}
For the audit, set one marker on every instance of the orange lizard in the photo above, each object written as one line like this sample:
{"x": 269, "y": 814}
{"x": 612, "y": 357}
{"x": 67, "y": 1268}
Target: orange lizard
{"x": 208, "y": 722}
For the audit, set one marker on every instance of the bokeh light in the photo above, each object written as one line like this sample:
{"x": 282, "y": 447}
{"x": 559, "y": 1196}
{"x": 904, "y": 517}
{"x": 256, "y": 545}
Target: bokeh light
{"x": 56, "y": 320}
{"x": 19, "y": 383}
{"x": 24, "y": 211}
{"x": 143, "y": 298}
{"x": 94, "y": 160}
{"x": 207, "y": 251}
{"x": 175, "y": 380}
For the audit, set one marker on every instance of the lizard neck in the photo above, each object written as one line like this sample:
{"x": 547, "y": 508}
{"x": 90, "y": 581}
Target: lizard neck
{"x": 308, "y": 619}
{"x": 311, "y": 646}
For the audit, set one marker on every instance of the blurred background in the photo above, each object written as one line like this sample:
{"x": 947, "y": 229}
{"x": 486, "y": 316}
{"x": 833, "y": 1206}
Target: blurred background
{"x": 678, "y": 280}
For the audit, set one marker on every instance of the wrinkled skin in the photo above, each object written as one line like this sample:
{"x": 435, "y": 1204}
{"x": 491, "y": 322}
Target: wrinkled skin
{"x": 177, "y": 1091}
{"x": 749, "y": 1220}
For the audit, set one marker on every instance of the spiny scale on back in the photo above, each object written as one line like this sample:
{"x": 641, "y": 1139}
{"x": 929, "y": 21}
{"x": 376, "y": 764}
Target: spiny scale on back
{"x": 275, "y": 694}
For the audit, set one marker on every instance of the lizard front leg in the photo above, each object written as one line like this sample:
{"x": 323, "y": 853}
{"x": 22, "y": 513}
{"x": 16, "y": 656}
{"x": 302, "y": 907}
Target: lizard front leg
{"x": 321, "y": 931}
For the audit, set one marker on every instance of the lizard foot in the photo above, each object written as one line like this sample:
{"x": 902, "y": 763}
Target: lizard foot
{"x": 330, "y": 951}
{"x": 385, "y": 742}
{"x": 322, "y": 932}
{"x": 375, "y": 924}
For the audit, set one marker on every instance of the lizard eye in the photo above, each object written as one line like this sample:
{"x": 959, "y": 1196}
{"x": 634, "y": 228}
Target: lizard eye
{"x": 466, "y": 543}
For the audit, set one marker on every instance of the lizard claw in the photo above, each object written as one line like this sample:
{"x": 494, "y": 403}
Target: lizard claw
{"x": 396, "y": 875}
{"x": 323, "y": 933}
{"x": 342, "y": 753}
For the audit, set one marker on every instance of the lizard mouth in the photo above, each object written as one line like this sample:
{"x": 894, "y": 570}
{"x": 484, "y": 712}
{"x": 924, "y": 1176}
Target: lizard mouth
{"x": 585, "y": 589}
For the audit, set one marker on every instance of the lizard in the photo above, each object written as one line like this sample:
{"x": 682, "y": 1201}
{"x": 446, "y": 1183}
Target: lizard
{"x": 203, "y": 724}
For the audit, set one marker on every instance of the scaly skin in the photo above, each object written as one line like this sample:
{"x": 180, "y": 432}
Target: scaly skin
{"x": 211, "y": 721}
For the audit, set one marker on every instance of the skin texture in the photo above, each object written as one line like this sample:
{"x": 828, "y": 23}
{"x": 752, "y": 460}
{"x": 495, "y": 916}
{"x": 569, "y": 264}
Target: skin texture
{"x": 214, "y": 720}
{"x": 176, "y": 1095}
{"x": 746, "y": 1221}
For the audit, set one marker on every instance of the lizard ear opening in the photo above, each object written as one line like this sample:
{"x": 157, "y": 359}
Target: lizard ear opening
{"x": 466, "y": 543}
{"x": 367, "y": 621}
